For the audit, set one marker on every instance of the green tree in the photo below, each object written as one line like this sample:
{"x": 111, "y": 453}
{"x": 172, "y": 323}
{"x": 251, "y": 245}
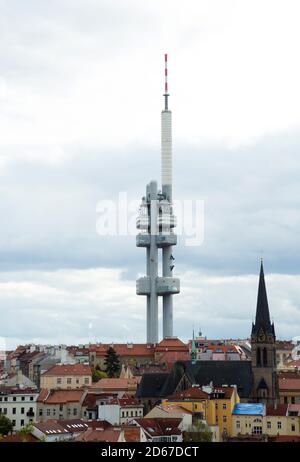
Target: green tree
{"x": 6, "y": 425}
{"x": 25, "y": 431}
{"x": 199, "y": 432}
{"x": 97, "y": 374}
{"x": 112, "y": 363}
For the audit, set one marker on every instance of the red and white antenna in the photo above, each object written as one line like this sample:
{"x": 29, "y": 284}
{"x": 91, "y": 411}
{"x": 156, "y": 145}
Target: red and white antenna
{"x": 166, "y": 94}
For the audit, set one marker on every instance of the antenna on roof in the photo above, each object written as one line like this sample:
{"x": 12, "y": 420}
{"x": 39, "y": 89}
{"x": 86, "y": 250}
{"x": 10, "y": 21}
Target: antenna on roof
{"x": 166, "y": 94}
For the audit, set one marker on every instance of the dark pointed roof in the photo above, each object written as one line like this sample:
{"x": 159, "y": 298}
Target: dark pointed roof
{"x": 262, "y": 384}
{"x": 262, "y": 318}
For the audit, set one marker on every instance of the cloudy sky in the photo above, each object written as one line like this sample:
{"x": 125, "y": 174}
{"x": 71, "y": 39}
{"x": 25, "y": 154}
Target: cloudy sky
{"x": 81, "y": 85}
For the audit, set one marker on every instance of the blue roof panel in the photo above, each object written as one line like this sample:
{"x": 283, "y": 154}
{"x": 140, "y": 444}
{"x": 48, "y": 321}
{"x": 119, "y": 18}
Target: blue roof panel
{"x": 249, "y": 409}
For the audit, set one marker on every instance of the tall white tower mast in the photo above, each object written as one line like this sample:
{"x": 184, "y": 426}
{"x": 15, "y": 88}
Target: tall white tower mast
{"x": 156, "y": 223}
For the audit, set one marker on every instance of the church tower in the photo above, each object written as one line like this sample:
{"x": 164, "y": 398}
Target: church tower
{"x": 263, "y": 349}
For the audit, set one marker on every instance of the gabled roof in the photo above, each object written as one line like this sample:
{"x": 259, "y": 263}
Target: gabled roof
{"x": 151, "y": 385}
{"x": 262, "y": 384}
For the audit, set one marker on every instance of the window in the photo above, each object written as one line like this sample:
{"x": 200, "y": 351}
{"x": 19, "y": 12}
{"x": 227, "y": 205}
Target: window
{"x": 269, "y": 424}
{"x": 285, "y": 399}
{"x": 238, "y": 424}
{"x": 23, "y": 398}
{"x": 14, "y": 410}
{"x": 69, "y": 380}
{"x": 22, "y": 423}
{"x": 5, "y": 411}
{"x": 22, "y": 410}
{"x": 77, "y": 381}
{"x": 224, "y": 418}
{"x": 13, "y": 422}
{"x": 54, "y": 411}
{"x": 224, "y": 406}
{"x": 0, "y": 398}
{"x": 31, "y": 398}
{"x": 257, "y": 430}
{"x": 75, "y": 411}
{"x": 5, "y": 399}
{"x": 86, "y": 380}
{"x": 279, "y": 425}
{"x": 41, "y": 412}
{"x": 14, "y": 398}
{"x": 293, "y": 428}
{"x": 48, "y": 412}
{"x": 293, "y": 399}
{"x": 58, "y": 381}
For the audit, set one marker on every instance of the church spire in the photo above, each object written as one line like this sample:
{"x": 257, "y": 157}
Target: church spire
{"x": 262, "y": 318}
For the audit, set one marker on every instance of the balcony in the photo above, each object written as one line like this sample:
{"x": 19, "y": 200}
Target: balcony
{"x": 164, "y": 286}
{"x": 167, "y": 286}
{"x": 165, "y": 240}
{"x": 143, "y": 240}
{"x": 143, "y": 286}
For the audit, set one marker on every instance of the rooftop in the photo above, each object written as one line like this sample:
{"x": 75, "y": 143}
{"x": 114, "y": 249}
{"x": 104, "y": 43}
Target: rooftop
{"x": 68, "y": 369}
{"x": 249, "y": 409}
{"x": 60, "y": 396}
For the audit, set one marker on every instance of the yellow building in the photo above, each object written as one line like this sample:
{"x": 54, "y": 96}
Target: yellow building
{"x": 214, "y": 405}
{"x": 67, "y": 376}
{"x": 259, "y": 419}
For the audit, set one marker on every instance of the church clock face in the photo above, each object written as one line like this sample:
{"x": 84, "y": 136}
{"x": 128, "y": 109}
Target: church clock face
{"x": 261, "y": 337}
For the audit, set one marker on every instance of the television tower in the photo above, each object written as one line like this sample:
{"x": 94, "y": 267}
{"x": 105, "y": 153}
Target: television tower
{"x": 156, "y": 224}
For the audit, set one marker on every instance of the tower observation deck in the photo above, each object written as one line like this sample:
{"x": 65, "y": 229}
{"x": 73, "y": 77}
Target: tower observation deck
{"x": 156, "y": 223}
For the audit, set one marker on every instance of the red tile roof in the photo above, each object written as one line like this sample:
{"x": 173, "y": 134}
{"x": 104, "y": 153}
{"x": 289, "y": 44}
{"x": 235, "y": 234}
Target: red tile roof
{"x": 60, "y": 396}
{"x": 108, "y": 435}
{"x": 19, "y": 439}
{"x": 68, "y": 369}
{"x": 132, "y": 434}
{"x": 171, "y": 343}
{"x": 289, "y": 383}
{"x": 124, "y": 349}
{"x": 279, "y": 410}
{"x": 54, "y": 426}
{"x": 116, "y": 384}
{"x": 91, "y": 398}
{"x": 193, "y": 393}
{"x": 160, "y": 427}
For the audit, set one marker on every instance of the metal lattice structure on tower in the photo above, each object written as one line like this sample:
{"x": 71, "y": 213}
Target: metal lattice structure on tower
{"x": 156, "y": 224}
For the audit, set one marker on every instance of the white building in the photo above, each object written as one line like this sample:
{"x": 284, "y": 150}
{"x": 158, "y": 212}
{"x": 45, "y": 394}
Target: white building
{"x": 19, "y": 405}
{"x": 119, "y": 411}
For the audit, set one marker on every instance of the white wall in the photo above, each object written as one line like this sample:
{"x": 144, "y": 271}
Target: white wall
{"x": 109, "y": 412}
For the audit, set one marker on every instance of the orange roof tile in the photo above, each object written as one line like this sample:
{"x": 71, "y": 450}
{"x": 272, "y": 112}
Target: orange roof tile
{"x": 192, "y": 393}
{"x": 60, "y": 396}
{"x": 108, "y": 435}
{"x": 289, "y": 383}
{"x": 68, "y": 369}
